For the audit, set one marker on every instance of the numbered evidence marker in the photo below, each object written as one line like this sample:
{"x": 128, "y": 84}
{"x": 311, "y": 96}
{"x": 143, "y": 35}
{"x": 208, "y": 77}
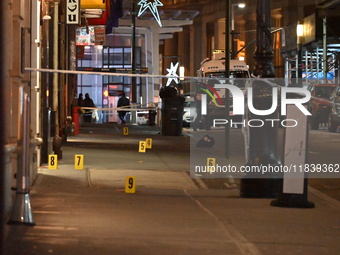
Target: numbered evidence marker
{"x": 125, "y": 131}
{"x": 78, "y": 161}
{"x": 52, "y": 161}
{"x": 142, "y": 146}
{"x": 130, "y": 184}
{"x": 211, "y": 164}
{"x": 149, "y": 143}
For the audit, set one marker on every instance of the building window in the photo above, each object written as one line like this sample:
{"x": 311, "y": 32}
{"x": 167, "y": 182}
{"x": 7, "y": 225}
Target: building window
{"x": 120, "y": 57}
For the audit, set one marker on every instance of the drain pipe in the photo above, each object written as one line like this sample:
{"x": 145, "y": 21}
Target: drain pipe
{"x": 57, "y": 142}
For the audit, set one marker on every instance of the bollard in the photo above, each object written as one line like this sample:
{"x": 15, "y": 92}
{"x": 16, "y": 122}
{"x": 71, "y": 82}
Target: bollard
{"x": 57, "y": 143}
{"x": 75, "y": 117}
{"x": 69, "y": 126}
{"x": 22, "y": 212}
{"x": 294, "y": 185}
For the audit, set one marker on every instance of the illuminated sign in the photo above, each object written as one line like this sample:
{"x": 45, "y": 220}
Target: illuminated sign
{"x": 172, "y": 71}
{"x": 93, "y": 4}
{"x": 145, "y": 4}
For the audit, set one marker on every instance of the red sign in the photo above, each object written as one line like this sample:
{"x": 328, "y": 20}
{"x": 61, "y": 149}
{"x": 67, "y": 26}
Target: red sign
{"x": 99, "y": 35}
{"x": 80, "y": 51}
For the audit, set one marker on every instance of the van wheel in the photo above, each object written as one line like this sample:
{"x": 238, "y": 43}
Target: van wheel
{"x": 332, "y": 127}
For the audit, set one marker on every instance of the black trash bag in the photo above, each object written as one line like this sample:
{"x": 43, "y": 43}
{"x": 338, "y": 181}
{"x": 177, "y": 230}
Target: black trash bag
{"x": 206, "y": 142}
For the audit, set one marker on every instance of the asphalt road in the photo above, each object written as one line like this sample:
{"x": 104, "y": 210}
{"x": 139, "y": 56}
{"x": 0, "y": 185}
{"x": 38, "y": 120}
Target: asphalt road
{"x": 323, "y": 148}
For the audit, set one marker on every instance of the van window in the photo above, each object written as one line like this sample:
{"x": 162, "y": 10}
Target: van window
{"x": 239, "y": 74}
{"x": 233, "y": 74}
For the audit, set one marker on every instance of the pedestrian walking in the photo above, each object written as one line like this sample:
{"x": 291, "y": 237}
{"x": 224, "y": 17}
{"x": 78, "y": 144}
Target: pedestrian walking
{"x": 123, "y": 101}
{"x": 88, "y": 102}
{"x": 80, "y": 103}
{"x": 80, "y": 100}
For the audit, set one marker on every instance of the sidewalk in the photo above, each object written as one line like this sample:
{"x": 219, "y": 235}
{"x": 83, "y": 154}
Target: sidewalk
{"x": 87, "y": 211}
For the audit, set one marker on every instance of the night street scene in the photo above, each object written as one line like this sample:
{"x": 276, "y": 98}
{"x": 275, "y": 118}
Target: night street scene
{"x": 170, "y": 127}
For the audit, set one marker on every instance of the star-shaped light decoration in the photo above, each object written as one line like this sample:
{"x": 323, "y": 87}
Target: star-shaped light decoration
{"x": 172, "y": 72}
{"x": 152, "y": 5}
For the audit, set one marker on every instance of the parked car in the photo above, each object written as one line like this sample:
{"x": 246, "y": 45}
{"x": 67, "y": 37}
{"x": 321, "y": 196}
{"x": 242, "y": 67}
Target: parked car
{"x": 189, "y": 113}
{"x": 334, "y": 114}
{"x": 320, "y": 104}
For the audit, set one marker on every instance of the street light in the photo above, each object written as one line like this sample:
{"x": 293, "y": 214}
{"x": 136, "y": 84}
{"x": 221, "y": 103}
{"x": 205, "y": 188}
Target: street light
{"x": 233, "y": 46}
{"x": 181, "y": 72}
{"x": 299, "y": 34}
{"x": 239, "y": 5}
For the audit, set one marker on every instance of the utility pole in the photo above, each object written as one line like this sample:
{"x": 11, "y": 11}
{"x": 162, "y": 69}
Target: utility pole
{"x": 262, "y": 147}
{"x": 57, "y": 142}
{"x": 227, "y": 75}
{"x": 45, "y": 86}
{"x": 133, "y": 53}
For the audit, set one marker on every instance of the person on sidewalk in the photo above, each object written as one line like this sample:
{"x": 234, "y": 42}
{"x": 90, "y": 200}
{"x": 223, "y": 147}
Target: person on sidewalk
{"x": 123, "y": 102}
{"x": 80, "y": 100}
{"x": 88, "y": 102}
{"x": 80, "y": 103}
{"x": 152, "y": 114}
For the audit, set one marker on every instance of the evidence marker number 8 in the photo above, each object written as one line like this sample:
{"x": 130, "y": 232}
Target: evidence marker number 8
{"x": 52, "y": 161}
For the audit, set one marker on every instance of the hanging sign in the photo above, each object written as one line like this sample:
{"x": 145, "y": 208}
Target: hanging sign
{"x": 99, "y": 35}
{"x": 72, "y": 12}
{"x": 145, "y": 4}
{"x": 172, "y": 73}
{"x": 93, "y": 4}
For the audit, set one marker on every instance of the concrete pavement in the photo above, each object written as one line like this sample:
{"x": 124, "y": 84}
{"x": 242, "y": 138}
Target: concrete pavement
{"x": 88, "y": 212}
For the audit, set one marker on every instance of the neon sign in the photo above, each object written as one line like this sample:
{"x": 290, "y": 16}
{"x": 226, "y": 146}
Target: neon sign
{"x": 172, "y": 72}
{"x": 152, "y": 6}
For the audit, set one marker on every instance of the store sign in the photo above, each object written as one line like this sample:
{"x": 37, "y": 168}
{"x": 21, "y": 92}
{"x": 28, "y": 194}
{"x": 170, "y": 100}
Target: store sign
{"x": 99, "y": 35}
{"x": 80, "y": 51}
{"x": 93, "y": 4}
{"x": 85, "y": 35}
{"x": 309, "y": 29}
{"x": 72, "y": 12}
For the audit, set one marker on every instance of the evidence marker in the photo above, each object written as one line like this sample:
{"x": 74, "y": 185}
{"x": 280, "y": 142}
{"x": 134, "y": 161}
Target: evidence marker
{"x": 130, "y": 184}
{"x": 52, "y": 161}
{"x": 78, "y": 161}
{"x": 149, "y": 143}
{"x": 142, "y": 146}
{"x": 211, "y": 164}
{"x": 125, "y": 131}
